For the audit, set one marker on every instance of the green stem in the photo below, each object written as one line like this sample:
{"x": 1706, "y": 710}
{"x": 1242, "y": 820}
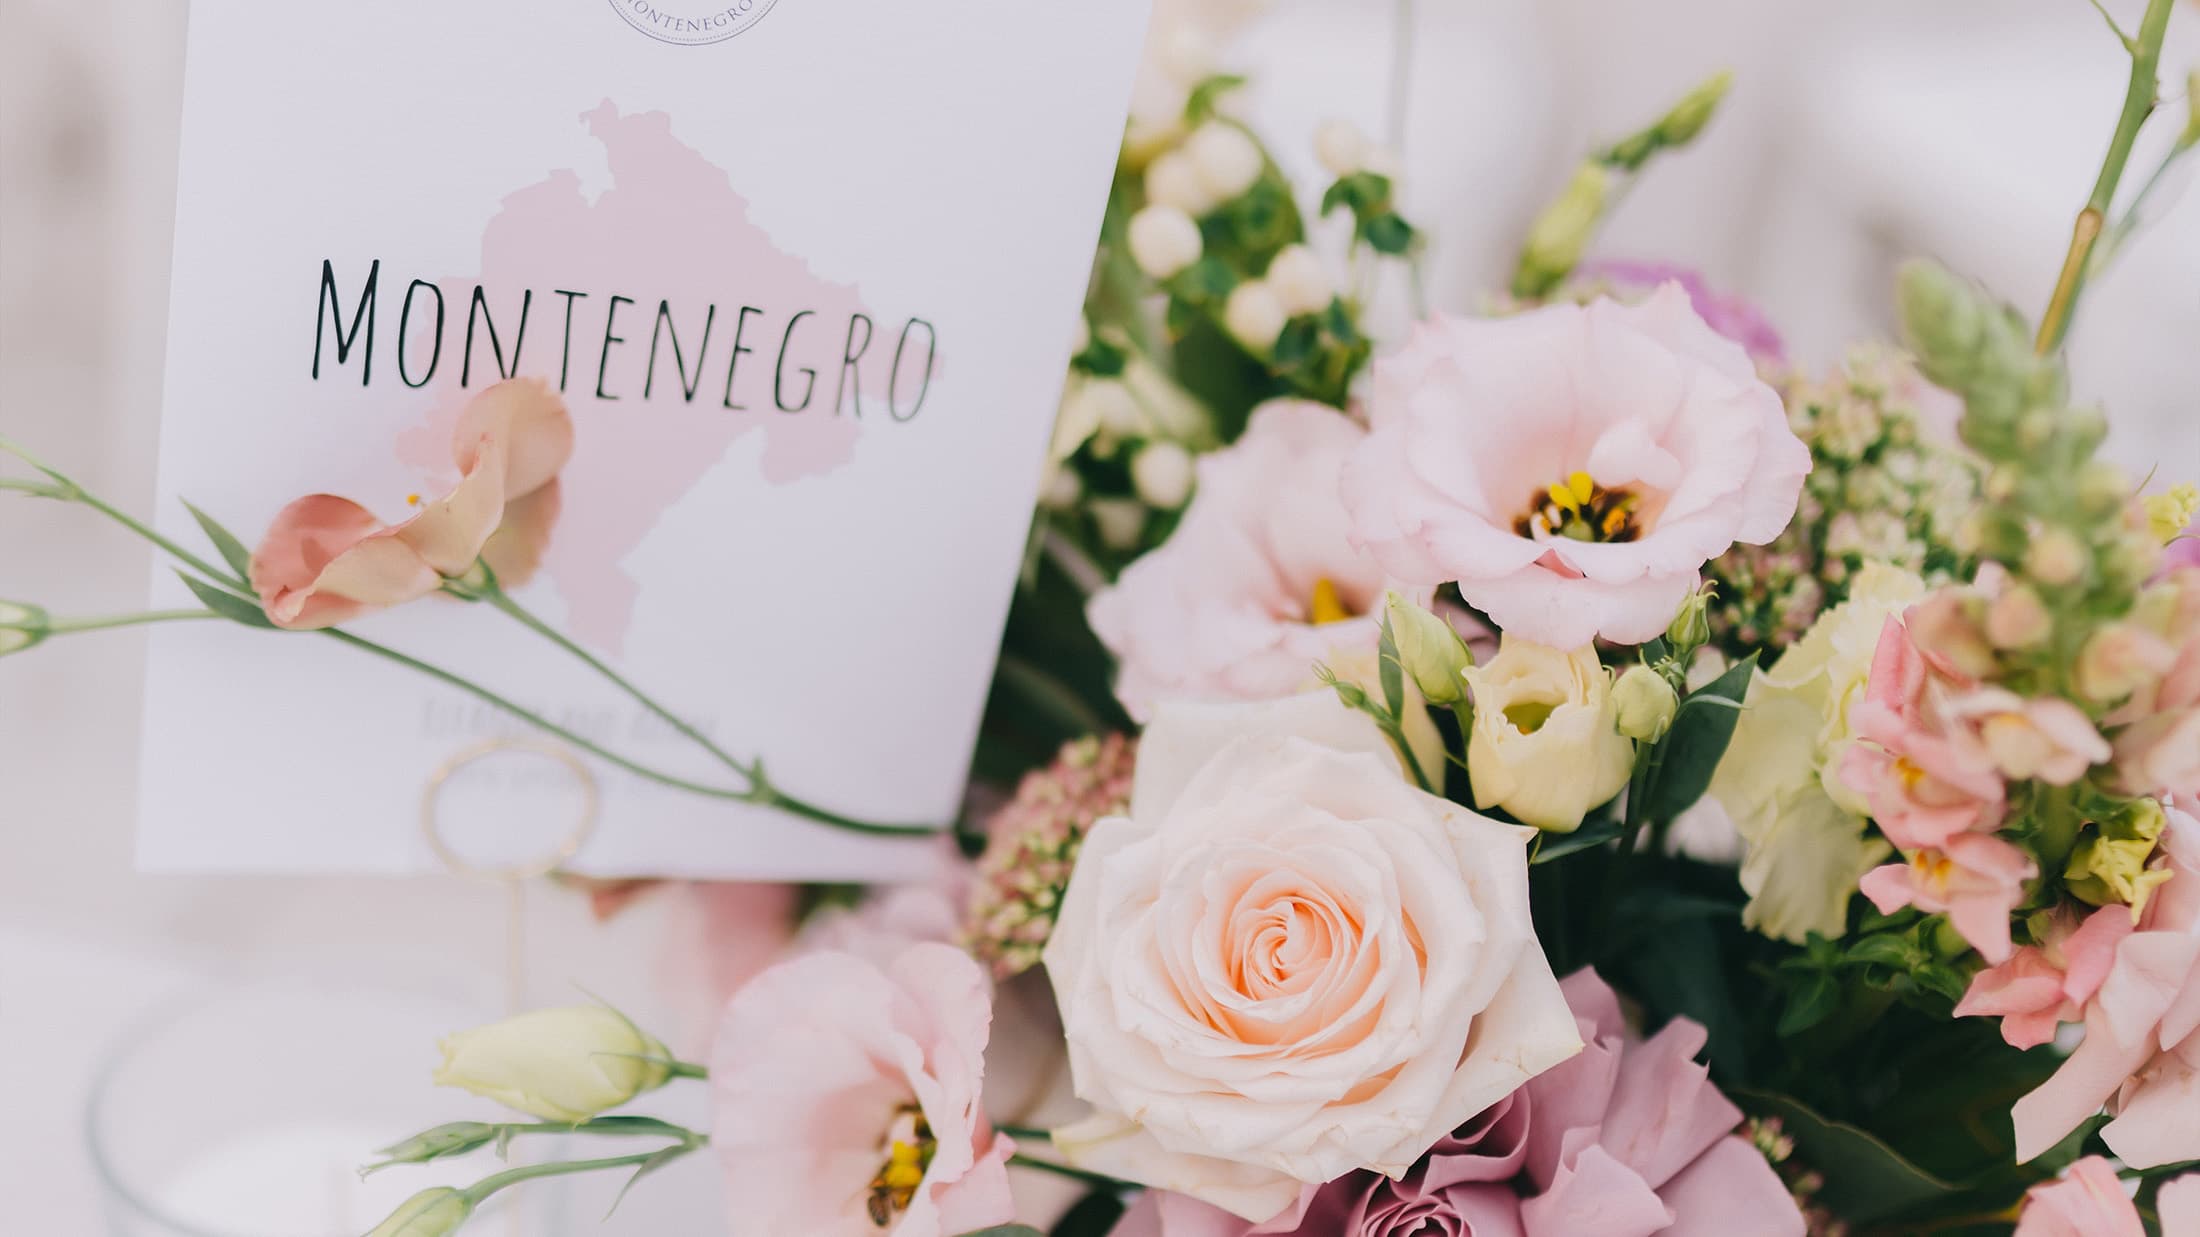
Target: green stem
{"x": 60, "y": 627}
{"x": 1024, "y": 1133}
{"x": 483, "y": 1188}
{"x": 2139, "y": 100}
{"x": 67, "y": 490}
{"x": 1064, "y": 1170}
{"x": 687, "y": 1069}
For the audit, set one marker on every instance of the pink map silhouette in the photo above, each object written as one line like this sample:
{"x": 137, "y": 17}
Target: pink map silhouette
{"x": 672, "y": 230}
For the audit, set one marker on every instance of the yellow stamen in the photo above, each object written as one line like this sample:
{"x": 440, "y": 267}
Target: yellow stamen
{"x": 904, "y": 1170}
{"x": 1582, "y": 486}
{"x": 1615, "y": 520}
{"x": 1327, "y": 606}
{"x": 412, "y": 500}
{"x": 1563, "y": 497}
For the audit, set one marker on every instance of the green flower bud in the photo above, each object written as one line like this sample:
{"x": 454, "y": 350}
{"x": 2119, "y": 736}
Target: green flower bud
{"x": 1430, "y": 651}
{"x": 1691, "y": 628}
{"x": 455, "y": 1138}
{"x": 1562, "y": 232}
{"x": 1976, "y": 347}
{"x": 1693, "y": 112}
{"x": 556, "y": 1064}
{"x": 435, "y": 1212}
{"x": 2103, "y": 489}
{"x": 1643, "y": 704}
{"x": 22, "y": 625}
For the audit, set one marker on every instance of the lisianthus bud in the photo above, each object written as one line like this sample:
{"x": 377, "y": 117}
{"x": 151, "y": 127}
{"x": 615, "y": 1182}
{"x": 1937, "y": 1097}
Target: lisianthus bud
{"x": 1225, "y": 159}
{"x": 1300, "y": 281}
{"x": 435, "y": 1212}
{"x": 1172, "y": 180}
{"x": 1429, "y": 650}
{"x": 1161, "y": 472}
{"x": 557, "y": 1064}
{"x": 1693, "y": 112}
{"x": 1691, "y": 627}
{"x": 21, "y": 626}
{"x": 2055, "y": 558}
{"x": 454, "y": 1138}
{"x": 1164, "y": 240}
{"x": 1643, "y": 704}
{"x": 1341, "y": 146}
{"x": 2119, "y": 659}
{"x": 1543, "y": 745}
{"x": 1254, "y": 315}
{"x": 2017, "y": 619}
{"x": 1560, "y": 234}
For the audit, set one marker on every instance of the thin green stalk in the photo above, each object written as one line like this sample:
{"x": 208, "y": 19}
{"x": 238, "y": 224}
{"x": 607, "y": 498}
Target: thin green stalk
{"x": 59, "y": 627}
{"x": 67, "y": 490}
{"x": 2139, "y": 100}
{"x": 1064, "y": 1170}
{"x": 483, "y": 1188}
{"x": 1024, "y": 1133}
{"x": 2126, "y": 226}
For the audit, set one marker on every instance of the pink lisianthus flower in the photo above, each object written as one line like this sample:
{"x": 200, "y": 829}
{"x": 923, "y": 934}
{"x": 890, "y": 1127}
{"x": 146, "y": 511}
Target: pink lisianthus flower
{"x": 2043, "y": 986}
{"x": 2087, "y": 1201}
{"x": 847, "y": 1099}
{"x": 1977, "y": 879}
{"x": 1260, "y": 581}
{"x": 2141, "y": 1052}
{"x": 327, "y": 560}
{"x": 1926, "y": 780}
{"x": 1733, "y": 316}
{"x": 1627, "y": 1139}
{"x": 1573, "y": 467}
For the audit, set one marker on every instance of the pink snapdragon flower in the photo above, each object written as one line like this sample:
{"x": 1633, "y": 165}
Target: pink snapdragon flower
{"x": 2087, "y": 1201}
{"x": 1260, "y": 581}
{"x": 2049, "y": 740}
{"x": 2141, "y": 1052}
{"x": 1573, "y": 467}
{"x": 1626, "y": 1139}
{"x": 848, "y": 1091}
{"x": 2043, "y": 986}
{"x": 1925, "y": 779}
{"x": 1976, "y": 878}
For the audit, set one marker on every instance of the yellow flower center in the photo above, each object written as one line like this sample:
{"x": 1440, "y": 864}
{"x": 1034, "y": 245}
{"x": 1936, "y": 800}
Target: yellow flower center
{"x": 1933, "y": 867}
{"x": 1327, "y": 605}
{"x": 1909, "y": 772}
{"x": 1580, "y": 509}
{"x": 908, "y": 1150}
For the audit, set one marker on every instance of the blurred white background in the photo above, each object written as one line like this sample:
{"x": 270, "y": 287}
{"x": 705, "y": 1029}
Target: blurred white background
{"x": 1857, "y": 133}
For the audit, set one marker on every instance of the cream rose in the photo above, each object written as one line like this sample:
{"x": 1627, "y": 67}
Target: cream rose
{"x": 1545, "y": 746}
{"x": 1286, "y": 964}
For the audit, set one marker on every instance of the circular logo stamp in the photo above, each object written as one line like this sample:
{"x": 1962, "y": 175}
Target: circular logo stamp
{"x": 691, "y": 23}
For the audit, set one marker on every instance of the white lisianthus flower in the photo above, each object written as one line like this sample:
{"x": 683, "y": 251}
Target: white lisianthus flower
{"x": 1164, "y": 240}
{"x": 1301, "y": 283}
{"x": 1286, "y": 964}
{"x": 557, "y": 1064}
{"x": 1254, "y": 315}
{"x": 1545, "y": 747}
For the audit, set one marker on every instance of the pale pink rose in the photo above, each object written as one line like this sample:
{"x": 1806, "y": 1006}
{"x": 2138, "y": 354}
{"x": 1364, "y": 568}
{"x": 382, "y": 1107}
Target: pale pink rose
{"x": 2047, "y": 739}
{"x": 2141, "y": 1052}
{"x": 1925, "y": 780}
{"x": 1977, "y": 879}
{"x": 831, "y": 1071}
{"x": 2043, "y": 986}
{"x": 326, "y": 560}
{"x": 1480, "y": 427}
{"x": 1258, "y": 583}
{"x": 1286, "y": 964}
{"x": 2086, "y": 1201}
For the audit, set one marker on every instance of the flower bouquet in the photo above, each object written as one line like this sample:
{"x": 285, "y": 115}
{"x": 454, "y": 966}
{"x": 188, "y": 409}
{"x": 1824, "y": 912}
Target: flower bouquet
{"x": 1557, "y": 770}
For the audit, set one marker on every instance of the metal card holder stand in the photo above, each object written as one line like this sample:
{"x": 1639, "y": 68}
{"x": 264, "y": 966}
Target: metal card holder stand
{"x": 513, "y": 876}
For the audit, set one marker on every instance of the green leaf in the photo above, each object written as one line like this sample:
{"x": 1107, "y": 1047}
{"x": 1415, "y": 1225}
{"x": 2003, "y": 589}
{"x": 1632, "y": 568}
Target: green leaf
{"x": 1551, "y": 846}
{"x": 231, "y": 549}
{"x": 1809, "y": 1005}
{"x": 225, "y": 603}
{"x": 1865, "y": 1179}
{"x": 1885, "y": 950}
{"x": 1388, "y": 234}
{"x": 1391, "y": 673}
{"x": 1095, "y": 1215}
{"x": 1690, "y": 751}
{"x": 1297, "y": 342}
{"x": 1005, "y": 1230}
{"x": 1201, "y": 104}
{"x": 646, "y": 1167}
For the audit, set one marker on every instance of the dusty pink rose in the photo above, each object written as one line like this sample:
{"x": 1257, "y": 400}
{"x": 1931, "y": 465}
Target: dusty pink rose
{"x": 2141, "y": 1052}
{"x": 2043, "y": 986}
{"x": 1260, "y": 581}
{"x": 326, "y": 560}
{"x": 2087, "y": 1201}
{"x": 846, "y": 1090}
{"x": 1573, "y": 467}
{"x": 1977, "y": 879}
{"x": 1926, "y": 780}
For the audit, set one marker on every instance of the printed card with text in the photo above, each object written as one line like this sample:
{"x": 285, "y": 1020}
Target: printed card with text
{"x": 805, "y": 274}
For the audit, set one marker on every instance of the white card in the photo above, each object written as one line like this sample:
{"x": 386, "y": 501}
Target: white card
{"x": 806, "y": 546}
